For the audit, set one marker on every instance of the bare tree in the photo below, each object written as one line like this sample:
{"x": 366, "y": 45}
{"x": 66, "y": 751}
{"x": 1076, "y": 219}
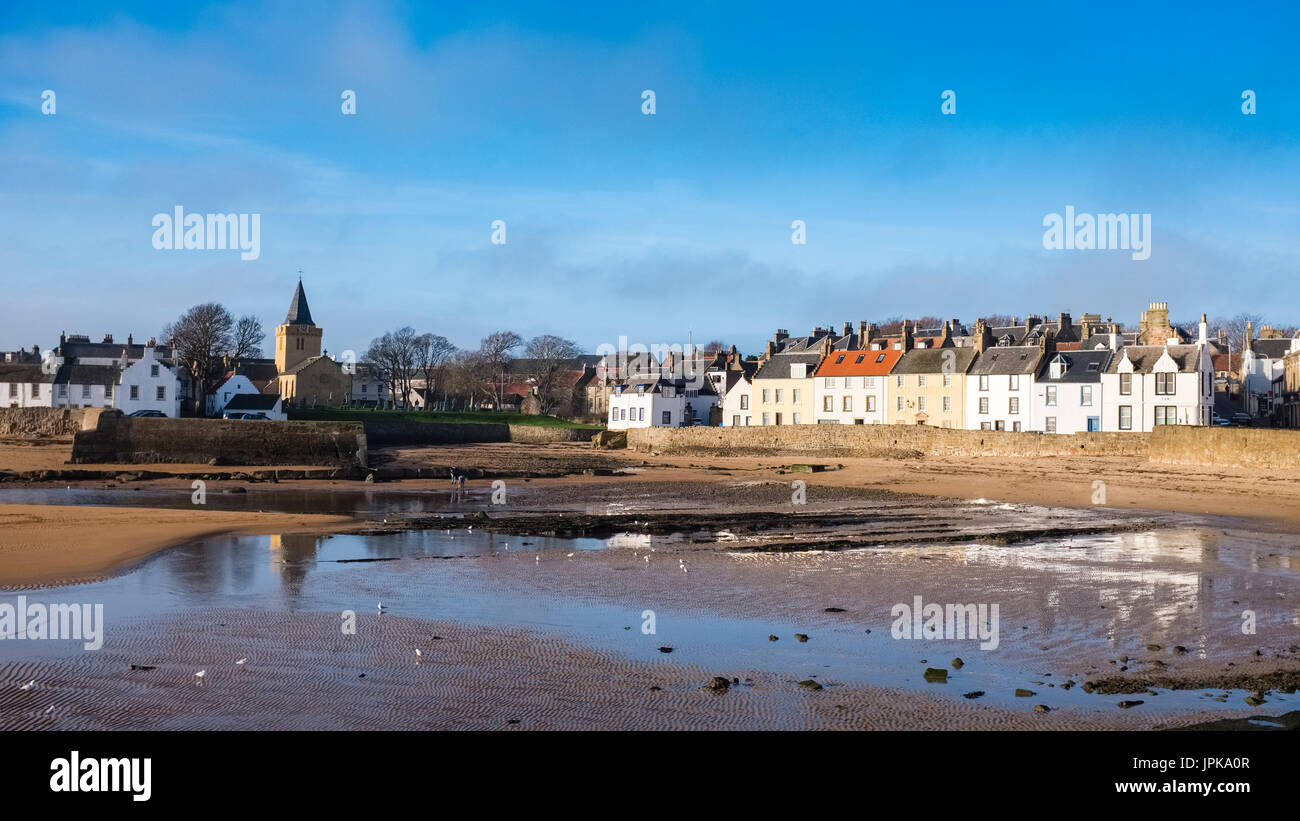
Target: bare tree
{"x": 1234, "y": 328}
{"x": 431, "y": 351}
{"x": 392, "y": 356}
{"x": 495, "y": 350}
{"x": 202, "y": 335}
{"x": 247, "y": 339}
{"x": 547, "y": 356}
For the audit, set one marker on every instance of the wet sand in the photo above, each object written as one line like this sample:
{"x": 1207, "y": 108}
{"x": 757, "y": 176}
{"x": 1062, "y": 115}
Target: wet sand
{"x": 50, "y": 545}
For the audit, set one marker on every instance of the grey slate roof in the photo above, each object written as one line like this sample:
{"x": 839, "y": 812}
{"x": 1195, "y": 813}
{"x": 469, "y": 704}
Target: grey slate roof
{"x": 1271, "y": 348}
{"x": 1011, "y": 360}
{"x": 299, "y": 313}
{"x": 778, "y": 367}
{"x": 87, "y": 374}
{"x": 22, "y": 372}
{"x": 1145, "y": 357}
{"x": 1081, "y": 366}
{"x": 253, "y": 402}
{"x": 931, "y": 360}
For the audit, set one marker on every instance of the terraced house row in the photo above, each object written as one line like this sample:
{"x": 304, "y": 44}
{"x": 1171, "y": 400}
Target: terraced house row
{"x": 1061, "y": 376}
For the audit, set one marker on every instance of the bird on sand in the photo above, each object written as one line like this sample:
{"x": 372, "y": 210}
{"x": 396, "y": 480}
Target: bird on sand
{"x": 240, "y": 663}
{"x": 200, "y": 674}
{"x": 29, "y": 685}
{"x": 647, "y": 559}
{"x": 381, "y": 607}
{"x": 418, "y": 655}
{"x": 569, "y": 555}
{"x": 49, "y": 711}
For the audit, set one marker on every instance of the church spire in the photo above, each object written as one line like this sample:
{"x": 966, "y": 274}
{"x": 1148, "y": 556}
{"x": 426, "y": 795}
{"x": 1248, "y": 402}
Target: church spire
{"x": 299, "y": 313}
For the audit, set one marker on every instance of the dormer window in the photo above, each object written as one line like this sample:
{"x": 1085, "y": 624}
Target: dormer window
{"x": 640, "y": 389}
{"x": 923, "y": 344}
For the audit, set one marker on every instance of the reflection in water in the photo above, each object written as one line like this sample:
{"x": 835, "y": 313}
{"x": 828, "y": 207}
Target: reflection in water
{"x": 1182, "y": 581}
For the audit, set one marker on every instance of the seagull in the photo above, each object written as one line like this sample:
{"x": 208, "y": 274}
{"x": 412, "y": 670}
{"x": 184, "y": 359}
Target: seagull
{"x": 569, "y": 555}
{"x": 647, "y": 559}
{"x": 241, "y": 662}
{"x": 200, "y": 674}
{"x": 537, "y": 559}
{"x": 49, "y": 711}
{"x": 381, "y": 607}
{"x": 418, "y": 655}
{"x": 29, "y": 685}
{"x": 471, "y": 528}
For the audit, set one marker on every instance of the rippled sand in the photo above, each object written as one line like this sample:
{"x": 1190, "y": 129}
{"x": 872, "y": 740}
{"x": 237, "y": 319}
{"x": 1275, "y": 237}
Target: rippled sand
{"x": 303, "y": 673}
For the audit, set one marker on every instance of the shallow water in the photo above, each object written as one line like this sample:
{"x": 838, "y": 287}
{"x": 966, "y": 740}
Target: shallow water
{"x": 460, "y": 577}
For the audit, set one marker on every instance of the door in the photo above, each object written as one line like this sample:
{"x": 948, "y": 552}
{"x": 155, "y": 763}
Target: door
{"x": 1094, "y": 423}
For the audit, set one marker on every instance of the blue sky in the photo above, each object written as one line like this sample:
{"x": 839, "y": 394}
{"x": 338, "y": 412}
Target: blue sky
{"x": 622, "y": 224}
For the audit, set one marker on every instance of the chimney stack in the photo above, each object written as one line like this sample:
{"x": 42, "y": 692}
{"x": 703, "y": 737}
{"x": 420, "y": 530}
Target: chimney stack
{"x": 983, "y": 336}
{"x": 907, "y": 336}
{"x": 1203, "y": 332}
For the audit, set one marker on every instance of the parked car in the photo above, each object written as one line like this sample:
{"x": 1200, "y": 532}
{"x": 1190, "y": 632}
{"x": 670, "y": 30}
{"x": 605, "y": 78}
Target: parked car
{"x": 148, "y": 414}
{"x": 1220, "y": 421}
{"x": 242, "y": 415}
{"x": 1240, "y": 418}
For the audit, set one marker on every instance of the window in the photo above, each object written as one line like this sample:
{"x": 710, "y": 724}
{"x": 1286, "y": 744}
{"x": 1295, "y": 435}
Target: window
{"x": 613, "y": 414}
{"x": 778, "y": 418}
{"x": 848, "y": 404}
{"x": 153, "y": 370}
{"x": 1051, "y": 396}
{"x": 839, "y": 359}
{"x": 986, "y": 426}
{"x": 898, "y": 380}
{"x": 920, "y": 381}
{"x": 868, "y": 381}
{"x": 1015, "y": 426}
{"x": 947, "y": 380}
{"x": 1126, "y": 417}
{"x": 947, "y": 404}
{"x": 735, "y": 420}
{"x": 794, "y": 396}
{"x": 1013, "y": 405}
{"x": 871, "y": 404}
{"x": 135, "y": 391}
{"x": 1165, "y": 415}
{"x": 108, "y": 391}
{"x": 767, "y": 419}
{"x": 999, "y": 425}
{"x": 900, "y": 403}
{"x": 984, "y": 382}
{"x": 744, "y": 401}
{"x": 828, "y": 382}
{"x": 984, "y": 404}
{"x": 1085, "y": 395}
{"x": 85, "y": 391}
{"x": 880, "y": 358}
{"x": 1049, "y": 424}
{"x": 794, "y": 419}
{"x": 920, "y": 403}
{"x": 668, "y": 417}
{"x": 828, "y": 403}
{"x": 1125, "y": 384}
{"x": 767, "y": 397}
{"x": 779, "y": 392}
{"x": 1013, "y": 381}
{"x": 13, "y": 390}
{"x": 63, "y": 391}
{"x": 1164, "y": 384}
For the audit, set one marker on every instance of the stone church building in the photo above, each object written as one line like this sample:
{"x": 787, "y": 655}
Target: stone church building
{"x": 307, "y": 378}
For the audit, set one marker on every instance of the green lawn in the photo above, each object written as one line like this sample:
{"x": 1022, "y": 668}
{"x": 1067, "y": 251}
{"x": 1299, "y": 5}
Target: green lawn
{"x": 471, "y": 417}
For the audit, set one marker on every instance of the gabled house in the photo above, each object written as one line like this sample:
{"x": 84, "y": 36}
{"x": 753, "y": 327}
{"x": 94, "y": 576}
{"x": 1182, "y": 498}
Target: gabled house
{"x": 1067, "y": 392}
{"x": 149, "y": 384}
{"x": 1145, "y": 386}
{"x": 264, "y": 403}
{"x": 234, "y": 385}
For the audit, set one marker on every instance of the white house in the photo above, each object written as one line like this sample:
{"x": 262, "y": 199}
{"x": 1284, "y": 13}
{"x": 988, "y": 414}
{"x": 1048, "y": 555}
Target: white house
{"x": 851, "y": 387}
{"x": 1144, "y": 386}
{"x": 999, "y": 386}
{"x": 652, "y": 402}
{"x": 1067, "y": 392}
{"x": 264, "y": 403}
{"x": 737, "y": 400}
{"x": 24, "y": 383}
{"x": 232, "y": 387}
{"x": 148, "y": 384}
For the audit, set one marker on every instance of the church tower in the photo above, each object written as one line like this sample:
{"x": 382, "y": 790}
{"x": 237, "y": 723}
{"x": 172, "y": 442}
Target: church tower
{"x": 298, "y": 339}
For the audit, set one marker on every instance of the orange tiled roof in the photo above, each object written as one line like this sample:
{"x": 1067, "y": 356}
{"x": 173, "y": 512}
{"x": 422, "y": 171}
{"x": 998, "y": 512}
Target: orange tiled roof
{"x": 832, "y": 366}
